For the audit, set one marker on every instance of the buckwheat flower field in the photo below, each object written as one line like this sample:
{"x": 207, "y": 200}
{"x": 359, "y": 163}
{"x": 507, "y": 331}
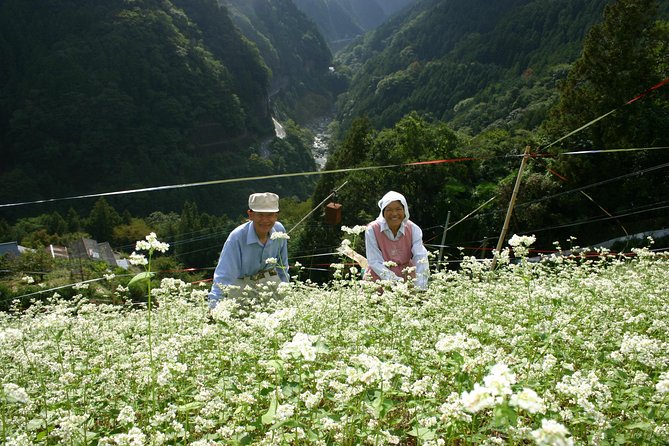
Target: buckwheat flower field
{"x": 558, "y": 352}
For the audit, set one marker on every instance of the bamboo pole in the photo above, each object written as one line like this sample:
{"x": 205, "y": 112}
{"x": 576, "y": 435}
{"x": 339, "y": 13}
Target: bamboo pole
{"x": 512, "y": 203}
{"x": 443, "y": 240}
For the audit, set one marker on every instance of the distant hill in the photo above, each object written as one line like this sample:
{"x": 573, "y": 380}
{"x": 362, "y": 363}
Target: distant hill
{"x": 475, "y": 64}
{"x": 340, "y": 21}
{"x": 294, "y": 50}
{"x": 507, "y": 75}
{"x": 102, "y": 96}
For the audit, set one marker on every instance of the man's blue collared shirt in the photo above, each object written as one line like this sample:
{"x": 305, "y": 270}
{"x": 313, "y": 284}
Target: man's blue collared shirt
{"x": 243, "y": 255}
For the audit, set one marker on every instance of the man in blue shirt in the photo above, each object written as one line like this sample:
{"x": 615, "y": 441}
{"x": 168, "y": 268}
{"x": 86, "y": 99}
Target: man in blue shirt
{"x": 254, "y": 251}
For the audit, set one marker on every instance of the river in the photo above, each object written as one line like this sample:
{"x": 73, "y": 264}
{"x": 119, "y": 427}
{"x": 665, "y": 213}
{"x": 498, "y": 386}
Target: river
{"x": 320, "y": 146}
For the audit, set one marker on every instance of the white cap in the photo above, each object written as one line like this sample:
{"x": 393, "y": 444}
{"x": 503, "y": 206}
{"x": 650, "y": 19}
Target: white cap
{"x": 264, "y": 202}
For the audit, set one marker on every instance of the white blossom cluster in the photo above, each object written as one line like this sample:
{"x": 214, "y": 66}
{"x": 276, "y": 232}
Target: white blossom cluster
{"x": 278, "y": 235}
{"x": 550, "y": 353}
{"x": 648, "y": 351}
{"x": 302, "y": 346}
{"x": 149, "y": 244}
{"x": 521, "y": 244}
{"x": 355, "y": 230}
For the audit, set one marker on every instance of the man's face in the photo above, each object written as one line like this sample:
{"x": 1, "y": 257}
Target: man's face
{"x": 263, "y": 222}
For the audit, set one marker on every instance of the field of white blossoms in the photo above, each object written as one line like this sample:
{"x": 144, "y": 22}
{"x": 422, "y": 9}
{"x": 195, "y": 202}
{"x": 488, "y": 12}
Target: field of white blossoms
{"x": 558, "y": 352}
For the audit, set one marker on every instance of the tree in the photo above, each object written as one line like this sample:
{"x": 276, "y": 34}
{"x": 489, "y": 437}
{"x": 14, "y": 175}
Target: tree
{"x": 56, "y": 224}
{"x": 188, "y": 232}
{"x": 126, "y": 234}
{"x": 102, "y": 220}
{"x": 73, "y": 221}
{"x": 622, "y": 57}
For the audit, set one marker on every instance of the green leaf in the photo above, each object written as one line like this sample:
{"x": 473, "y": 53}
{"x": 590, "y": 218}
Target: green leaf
{"x": 504, "y": 415}
{"x": 268, "y": 418}
{"x": 141, "y": 276}
{"x": 277, "y": 365}
{"x": 190, "y": 406}
{"x": 41, "y": 435}
{"x": 36, "y": 423}
{"x": 59, "y": 334}
{"x": 643, "y": 425}
{"x": 422, "y": 432}
{"x": 290, "y": 389}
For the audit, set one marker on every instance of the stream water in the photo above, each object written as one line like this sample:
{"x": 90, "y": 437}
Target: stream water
{"x": 320, "y": 146}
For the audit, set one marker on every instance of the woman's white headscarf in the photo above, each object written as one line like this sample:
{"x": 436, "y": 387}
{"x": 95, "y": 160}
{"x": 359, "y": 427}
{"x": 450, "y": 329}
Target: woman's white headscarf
{"x": 389, "y": 198}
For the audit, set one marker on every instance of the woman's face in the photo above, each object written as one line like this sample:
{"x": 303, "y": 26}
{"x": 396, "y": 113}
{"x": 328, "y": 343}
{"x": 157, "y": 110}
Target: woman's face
{"x": 394, "y": 214}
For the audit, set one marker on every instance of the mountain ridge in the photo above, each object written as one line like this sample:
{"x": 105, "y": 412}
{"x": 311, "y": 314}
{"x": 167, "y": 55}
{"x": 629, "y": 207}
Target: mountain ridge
{"x": 123, "y": 95}
{"x": 440, "y": 53}
{"x": 340, "y": 21}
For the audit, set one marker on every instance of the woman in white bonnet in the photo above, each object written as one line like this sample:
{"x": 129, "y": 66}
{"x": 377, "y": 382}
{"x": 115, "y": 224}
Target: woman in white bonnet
{"x": 392, "y": 237}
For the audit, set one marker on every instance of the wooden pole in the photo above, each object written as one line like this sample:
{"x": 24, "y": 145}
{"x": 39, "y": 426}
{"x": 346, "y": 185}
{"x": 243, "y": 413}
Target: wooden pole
{"x": 443, "y": 240}
{"x": 512, "y": 203}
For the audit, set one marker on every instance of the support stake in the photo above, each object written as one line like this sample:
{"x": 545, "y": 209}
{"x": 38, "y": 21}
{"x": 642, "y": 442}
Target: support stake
{"x": 443, "y": 240}
{"x": 512, "y": 203}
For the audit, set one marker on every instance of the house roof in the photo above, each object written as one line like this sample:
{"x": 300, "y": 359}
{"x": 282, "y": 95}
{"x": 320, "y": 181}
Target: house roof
{"x": 10, "y": 248}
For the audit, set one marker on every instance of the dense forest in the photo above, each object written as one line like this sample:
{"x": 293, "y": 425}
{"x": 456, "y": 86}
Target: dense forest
{"x": 128, "y": 95}
{"x": 340, "y": 21}
{"x": 122, "y": 95}
{"x": 501, "y": 78}
{"x": 295, "y": 52}
{"x": 468, "y": 63}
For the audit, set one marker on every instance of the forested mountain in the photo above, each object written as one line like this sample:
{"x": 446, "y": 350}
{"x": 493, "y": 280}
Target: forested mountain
{"x": 101, "y": 96}
{"x": 296, "y": 53}
{"x": 475, "y": 64}
{"x": 475, "y": 82}
{"x": 342, "y": 20}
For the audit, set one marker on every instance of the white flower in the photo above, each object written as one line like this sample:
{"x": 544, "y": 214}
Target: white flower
{"x": 28, "y": 279}
{"x": 663, "y": 385}
{"x": 301, "y": 345}
{"x": 458, "y": 341}
{"x": 478, "y": 399}
{"x": 271, "y": 261}
{"x": 499, "y": 380}
{"x": 389, "y": 264}
{"x": 137, "y": 259}
{"x": 142, "y": 245}
{"x": 13, "y": 393}
{"x": 311, "y": 400}
{"x": 284, "y": 412}
{"x": 552, "y": 433}
{"x": 80, "y": 286}
{"x": 355, "y": 230}
{"x": 521, "y": 244}
{"x": 126, "y": 415}
{"x": 276, "y": 235}
{"x": 528, "y": 400}
{"x": 151, "y": 244}
{"x": 134, "y": 437}
{"x": 524, "y": 240}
